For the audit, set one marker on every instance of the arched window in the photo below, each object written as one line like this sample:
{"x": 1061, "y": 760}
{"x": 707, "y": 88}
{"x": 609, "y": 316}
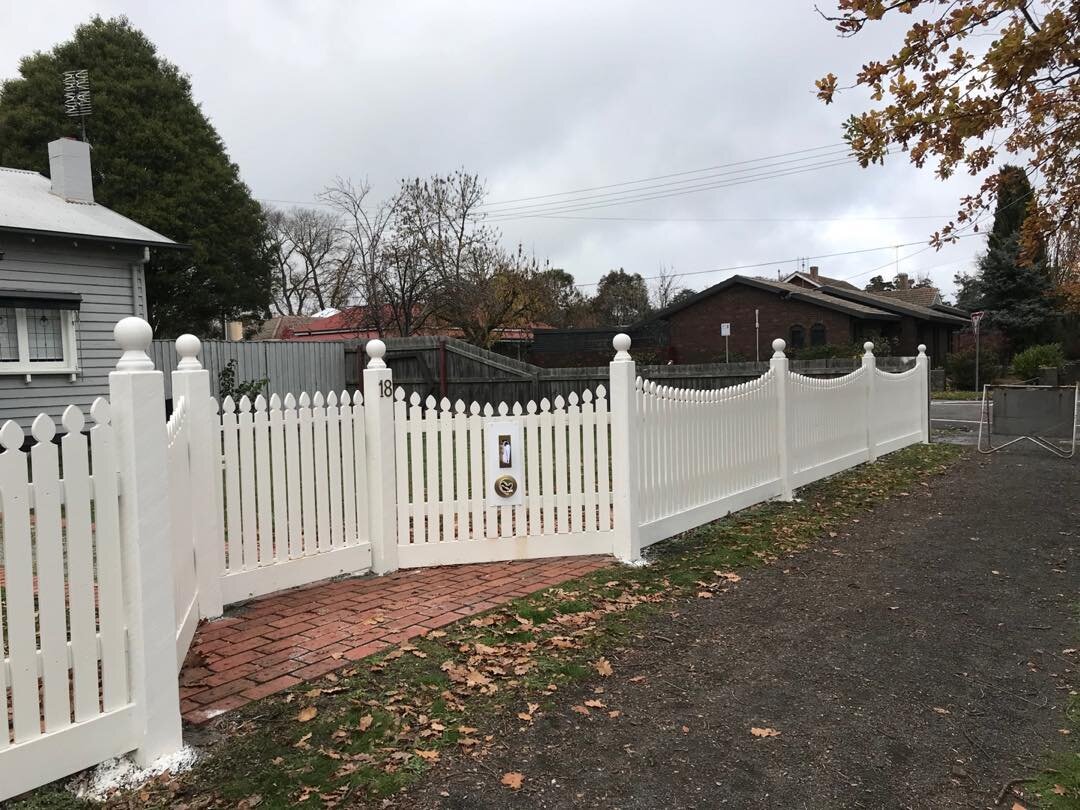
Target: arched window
{"x": 798, "y": 337}
{"x": 817, "y": 334}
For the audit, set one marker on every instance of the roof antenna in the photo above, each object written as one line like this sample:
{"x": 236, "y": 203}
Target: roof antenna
{"x": 77, "y": 97}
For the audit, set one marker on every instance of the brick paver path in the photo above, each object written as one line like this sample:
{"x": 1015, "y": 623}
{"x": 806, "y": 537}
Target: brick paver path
{"x": 278, "y": 641}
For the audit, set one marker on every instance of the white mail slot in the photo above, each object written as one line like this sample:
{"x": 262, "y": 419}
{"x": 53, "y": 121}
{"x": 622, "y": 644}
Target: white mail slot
{"x": 504, "y": 463}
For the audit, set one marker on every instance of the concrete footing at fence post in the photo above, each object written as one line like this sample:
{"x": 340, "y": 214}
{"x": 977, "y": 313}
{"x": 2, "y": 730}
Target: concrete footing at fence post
{"x": 922, "y": 362}
{"x": 869, "y": 362}
{"x": 622, "y": 371}
{"x": 191, "y": 381}
{"x": 137, "y": 397}
{"x": 382, "y": 476}
{"x": 779, "y": 365}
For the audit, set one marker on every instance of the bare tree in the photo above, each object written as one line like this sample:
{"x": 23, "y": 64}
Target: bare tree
{"x": 480, "y": 286}
{"x": 665, "y": 288}
{"x": 313, "y": 265}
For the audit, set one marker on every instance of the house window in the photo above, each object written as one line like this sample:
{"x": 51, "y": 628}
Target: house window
{"x": 817, "y": 334}
{"x": 37, "y": 333}
{"x": 798, "y": 337}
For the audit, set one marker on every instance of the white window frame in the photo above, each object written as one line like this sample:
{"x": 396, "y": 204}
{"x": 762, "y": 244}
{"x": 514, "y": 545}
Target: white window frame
{"x": 27, "y": 367}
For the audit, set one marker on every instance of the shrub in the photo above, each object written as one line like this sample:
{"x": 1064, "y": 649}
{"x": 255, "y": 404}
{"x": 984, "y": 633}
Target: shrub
{"x": 960, "y": 369}
{"x": 1026, "y": 365}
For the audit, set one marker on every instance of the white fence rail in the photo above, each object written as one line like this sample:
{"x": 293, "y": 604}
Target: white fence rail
{"x": 116, "y": 545}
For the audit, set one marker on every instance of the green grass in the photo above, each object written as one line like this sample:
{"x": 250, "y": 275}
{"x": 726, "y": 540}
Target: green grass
{"x": 958, "y": 395}
{"x": 542, "y": 644}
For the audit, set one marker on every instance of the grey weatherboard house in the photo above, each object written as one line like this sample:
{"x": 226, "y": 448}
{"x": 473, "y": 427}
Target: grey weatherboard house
{"x": 69, "y": 270}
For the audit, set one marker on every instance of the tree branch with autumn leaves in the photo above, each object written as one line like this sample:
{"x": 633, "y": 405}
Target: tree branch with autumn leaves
{"x": 950, "y": 98}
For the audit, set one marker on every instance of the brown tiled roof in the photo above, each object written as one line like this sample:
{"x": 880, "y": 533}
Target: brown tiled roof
{"x": 923, "y": 296}
{"x": 274, "y": 328}
{"x": 822, "y": 281}
{"x": 893, "y": 304}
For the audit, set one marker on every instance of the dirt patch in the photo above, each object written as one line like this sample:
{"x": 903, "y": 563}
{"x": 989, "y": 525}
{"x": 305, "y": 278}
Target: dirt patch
{"x": 914, "y": 661}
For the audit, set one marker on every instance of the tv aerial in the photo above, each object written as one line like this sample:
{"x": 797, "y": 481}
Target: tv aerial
{"x": 77, "y": 96}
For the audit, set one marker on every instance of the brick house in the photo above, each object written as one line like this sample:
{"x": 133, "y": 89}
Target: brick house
{"x": 810, "y": 310}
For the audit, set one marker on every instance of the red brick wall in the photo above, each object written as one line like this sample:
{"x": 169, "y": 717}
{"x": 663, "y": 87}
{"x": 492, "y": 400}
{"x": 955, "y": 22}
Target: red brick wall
{"x": 695, "y": 330}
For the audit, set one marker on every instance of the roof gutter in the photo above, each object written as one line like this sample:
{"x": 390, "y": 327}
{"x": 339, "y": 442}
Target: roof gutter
{"x": 170, "y": 245}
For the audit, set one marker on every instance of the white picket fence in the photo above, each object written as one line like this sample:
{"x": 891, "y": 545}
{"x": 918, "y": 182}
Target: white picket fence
{"x": 155, "y": 524}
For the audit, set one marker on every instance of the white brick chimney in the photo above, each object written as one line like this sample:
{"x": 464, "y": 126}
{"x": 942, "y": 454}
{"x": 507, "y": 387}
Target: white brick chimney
{"x": 69, "y": 170}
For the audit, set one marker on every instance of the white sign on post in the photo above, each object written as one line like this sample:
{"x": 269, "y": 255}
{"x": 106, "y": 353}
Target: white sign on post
{"x": 725, "y": 330}
{"x": 504, "y": 463}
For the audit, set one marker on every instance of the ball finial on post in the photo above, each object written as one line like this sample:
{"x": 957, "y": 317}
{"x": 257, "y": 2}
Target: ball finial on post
{"x": 868, "y": 348}
{"x": 778, "y": 346}
{"x": 376, "y": 350}
{"x": 922, "y": 350}
{"x": 621, "y": 344}
{"x": 133, "y": 335}
{"x": 188, "y": 348}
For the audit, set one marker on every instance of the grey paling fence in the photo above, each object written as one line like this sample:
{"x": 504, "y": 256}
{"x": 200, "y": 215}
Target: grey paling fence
{"x": 288, "y": 365}
{"x": 446, "y": 367}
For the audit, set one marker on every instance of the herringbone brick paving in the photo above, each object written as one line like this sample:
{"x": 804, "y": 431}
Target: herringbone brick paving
{"x": 275, "y": 642}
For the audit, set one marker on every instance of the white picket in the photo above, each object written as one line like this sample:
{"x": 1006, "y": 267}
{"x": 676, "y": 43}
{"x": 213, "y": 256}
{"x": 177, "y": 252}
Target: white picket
{"x": 401, "y": 448}
{"x": 460, "y": 456}
{"x": 293, "y": 489}
{"x": 322, "y": 486}
{"x": 307, "y": 476}
{"x": 263, "y": 504}
{"x": 249, "y": 531}
{"x": 348, "y": 471}
{"x": 446, "y": 471}
{"x": 110, "y": 591}
{"x": 80, "y": 567}
{"x": 418, "y": 502}
{"x": 334, "y": 459}
{"x": 231, "y": 452}
{"x": 360, "y": 467}
{"x": 279, "y": 486}
{"x": 476, "y": 472}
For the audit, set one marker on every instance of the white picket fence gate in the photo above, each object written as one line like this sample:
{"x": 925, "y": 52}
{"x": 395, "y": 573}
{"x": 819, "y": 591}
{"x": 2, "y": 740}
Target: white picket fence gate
{"x": 115, "y": 547}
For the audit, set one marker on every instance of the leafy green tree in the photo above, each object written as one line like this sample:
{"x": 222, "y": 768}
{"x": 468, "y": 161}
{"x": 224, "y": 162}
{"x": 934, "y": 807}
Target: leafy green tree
{"x": 558, "y": 300}
{"x": 1014, "y": 293}
{"x": 156, "y": 159}
{"x": 879, "y": 284}
{"x": 621, "y": 298}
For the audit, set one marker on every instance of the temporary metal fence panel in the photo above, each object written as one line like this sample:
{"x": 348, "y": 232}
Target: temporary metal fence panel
{"x": 64, "y": 680}
{"x": 294, "y": 495}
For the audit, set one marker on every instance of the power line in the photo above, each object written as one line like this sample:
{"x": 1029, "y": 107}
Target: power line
{"x": 832, "y": 147}
{"x": 706, "y": 181}
{"x": 775, "y": 262}
{"x": 739, "y": 219}
{"x": 693, "y": 190}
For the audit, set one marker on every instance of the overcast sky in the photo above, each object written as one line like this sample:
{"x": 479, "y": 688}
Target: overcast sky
{"x": 543, "y": 98}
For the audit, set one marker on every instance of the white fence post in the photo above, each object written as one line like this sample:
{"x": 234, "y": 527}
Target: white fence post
{"x": 622, "y": 373}
{"x": 191, "y": 381}
{"x": 137, "y": 394}
{"x": 870, "y": 363}
{"x": 922, "y": 362}
{"x": 779, "y": 365}
{"x": 382, "y": 476}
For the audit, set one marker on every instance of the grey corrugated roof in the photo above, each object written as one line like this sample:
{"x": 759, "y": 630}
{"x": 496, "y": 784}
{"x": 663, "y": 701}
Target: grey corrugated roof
{"x": 28, "y": 204}
{"x": 825, "y": 300}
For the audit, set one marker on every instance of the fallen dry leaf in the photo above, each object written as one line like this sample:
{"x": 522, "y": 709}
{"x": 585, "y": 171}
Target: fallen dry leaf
{"x": 513, "y": 780}
{"x": 366, "y": 721}
{"x": 307, "y": 713}
{"x": 429, "y": 756}
{"x": 1059, "y": 790}
{"x": 579, "y": 709}
{"x": 603, "y": 666}
{"x": 764, "y": 732}
{"x": 940, "y": 710}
